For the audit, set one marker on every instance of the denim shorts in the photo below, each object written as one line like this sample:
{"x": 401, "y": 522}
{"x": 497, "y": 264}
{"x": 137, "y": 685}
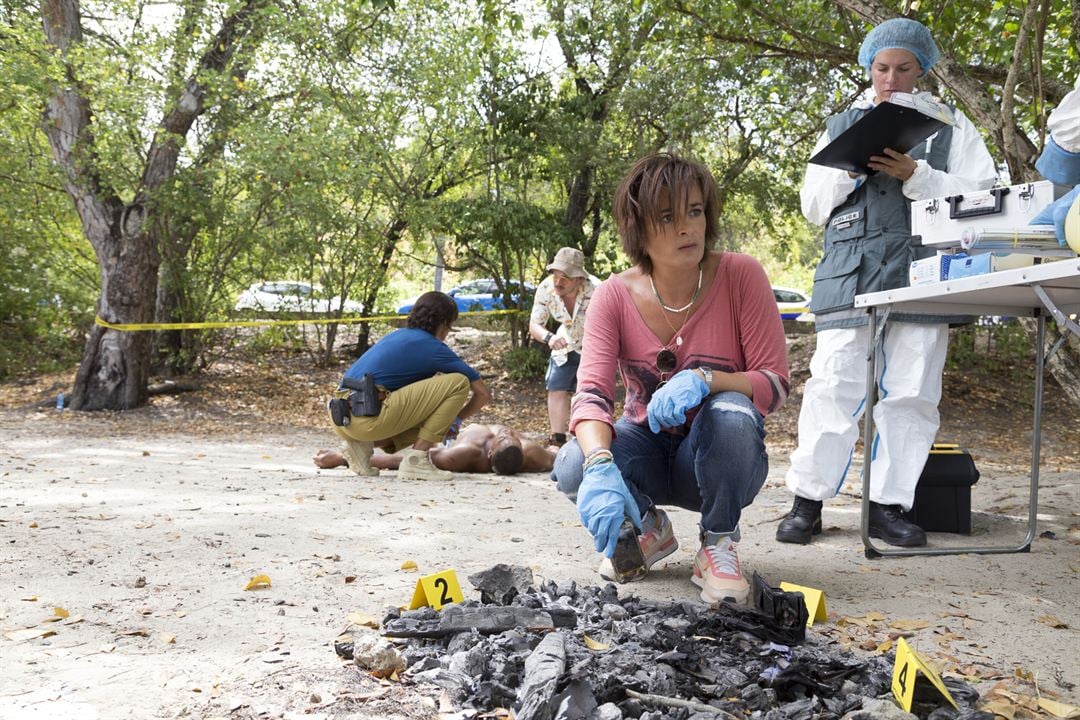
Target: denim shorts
{"x": 563, "y": 377}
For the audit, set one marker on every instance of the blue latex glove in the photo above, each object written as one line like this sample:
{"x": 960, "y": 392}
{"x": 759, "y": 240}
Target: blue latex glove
{"x": 669, "y": 404}
{"x": 1058, "y": 165}
{"x": 602, "y": 501}
{"x": 1054, "y": 213}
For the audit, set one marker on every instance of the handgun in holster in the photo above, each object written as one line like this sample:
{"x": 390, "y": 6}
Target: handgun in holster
{"x": 364, "y": 399}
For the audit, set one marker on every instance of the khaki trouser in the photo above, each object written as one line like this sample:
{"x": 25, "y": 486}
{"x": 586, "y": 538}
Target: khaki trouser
{"x": 424, "y": 409}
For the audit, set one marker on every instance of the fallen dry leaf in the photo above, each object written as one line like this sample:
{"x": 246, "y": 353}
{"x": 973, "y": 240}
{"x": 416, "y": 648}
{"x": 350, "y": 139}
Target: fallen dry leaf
{"x": 362, "y": 619}
{"x": 259, "y": 582}
{"x": 409, "y": 565}
{"x": 1000, "y": 708}
{"x": 29, "y": 634}
{"x": 139, "y": 632}
{"x": 60, "y": 612}
{"x": 1058, "y": 709}
{"x": 167, "y": 638}
{"x": 594, "y": 644}
{"x": 909, "y": 624}
{"x": 1053, "y": 622}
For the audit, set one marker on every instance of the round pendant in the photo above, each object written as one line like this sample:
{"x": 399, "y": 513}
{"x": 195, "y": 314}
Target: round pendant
{"x": 678, "y": 341}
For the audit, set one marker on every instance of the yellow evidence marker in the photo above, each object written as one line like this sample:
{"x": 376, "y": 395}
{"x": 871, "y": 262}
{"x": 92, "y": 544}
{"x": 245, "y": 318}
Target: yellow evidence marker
{"x": 815, "y": 601}
{"x": 908, "y": 665}
{"x": 436, "y": 590}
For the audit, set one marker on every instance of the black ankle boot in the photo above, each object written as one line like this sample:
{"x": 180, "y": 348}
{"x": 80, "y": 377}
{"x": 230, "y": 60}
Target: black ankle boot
{"x": 887, "y": 524}
{"x": 803, "y": 522}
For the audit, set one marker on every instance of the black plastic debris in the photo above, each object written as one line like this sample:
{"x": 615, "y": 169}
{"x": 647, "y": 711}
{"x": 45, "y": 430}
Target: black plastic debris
{"x": 787, "y": 610}
{"x": 563, "y": 652}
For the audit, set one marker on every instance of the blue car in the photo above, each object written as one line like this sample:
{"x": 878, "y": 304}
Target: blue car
{"x": 482, "y": 294}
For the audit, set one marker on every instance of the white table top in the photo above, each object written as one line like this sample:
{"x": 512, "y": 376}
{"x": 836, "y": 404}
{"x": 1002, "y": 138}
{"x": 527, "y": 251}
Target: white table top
{"x": 1008, "y": 292}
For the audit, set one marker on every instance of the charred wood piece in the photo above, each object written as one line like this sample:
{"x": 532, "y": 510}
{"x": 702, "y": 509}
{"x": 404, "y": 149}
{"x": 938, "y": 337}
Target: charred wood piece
{"x": 485, "y": 620}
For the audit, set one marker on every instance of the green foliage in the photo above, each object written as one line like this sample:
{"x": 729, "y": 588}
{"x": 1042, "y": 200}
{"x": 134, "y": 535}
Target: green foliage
{"x": 358, "y": 144}
{"x": 997, "y": 347}
{"x": 525, "y": 363}
{"x": 47, "y": 275}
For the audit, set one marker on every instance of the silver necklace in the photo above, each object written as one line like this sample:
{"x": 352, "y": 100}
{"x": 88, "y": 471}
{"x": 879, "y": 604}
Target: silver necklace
{"x": 700, "y": 274}
{"x": 677, "y": 334}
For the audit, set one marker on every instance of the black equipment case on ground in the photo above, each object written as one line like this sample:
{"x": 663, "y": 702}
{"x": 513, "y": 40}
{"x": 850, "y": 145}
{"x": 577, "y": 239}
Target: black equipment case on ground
{"x": 943, "y": 495}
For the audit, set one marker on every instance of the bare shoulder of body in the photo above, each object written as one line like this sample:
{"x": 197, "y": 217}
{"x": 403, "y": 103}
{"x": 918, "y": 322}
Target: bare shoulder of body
{"x": 476, "y": 434}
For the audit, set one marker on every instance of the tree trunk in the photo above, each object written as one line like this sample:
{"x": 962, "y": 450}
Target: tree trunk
{"x": 391, "y": 236}
{"x": 115, "y": 368}
{"x": 577, "y": 201}
{"x": 174, "y": 351}
{"x": 1064, "y": 365}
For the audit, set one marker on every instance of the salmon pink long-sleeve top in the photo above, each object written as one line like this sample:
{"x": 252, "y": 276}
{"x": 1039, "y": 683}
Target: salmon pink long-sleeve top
{"x": 736, "y": 329}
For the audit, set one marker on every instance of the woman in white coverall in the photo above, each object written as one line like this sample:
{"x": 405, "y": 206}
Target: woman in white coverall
{"x": 867, "y": 223}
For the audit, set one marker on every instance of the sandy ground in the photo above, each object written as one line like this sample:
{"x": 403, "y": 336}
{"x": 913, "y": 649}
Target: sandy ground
{"x": 147, "y": 542}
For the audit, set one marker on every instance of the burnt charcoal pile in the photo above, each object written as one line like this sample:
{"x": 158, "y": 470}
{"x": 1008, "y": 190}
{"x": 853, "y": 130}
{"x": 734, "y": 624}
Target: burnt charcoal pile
{"x": 561, "y": 651}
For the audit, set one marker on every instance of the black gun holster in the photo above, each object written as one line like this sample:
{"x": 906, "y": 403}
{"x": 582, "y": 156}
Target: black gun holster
{"x": 364, "y": 400}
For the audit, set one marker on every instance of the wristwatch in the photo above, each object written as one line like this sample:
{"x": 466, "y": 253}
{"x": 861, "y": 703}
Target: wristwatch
{"x": 707, "y": 373}
{"x": 547, "y": 338}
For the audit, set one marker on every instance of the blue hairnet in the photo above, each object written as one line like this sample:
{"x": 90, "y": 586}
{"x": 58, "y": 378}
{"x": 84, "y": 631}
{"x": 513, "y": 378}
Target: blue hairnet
{"x": 910, "y": 35}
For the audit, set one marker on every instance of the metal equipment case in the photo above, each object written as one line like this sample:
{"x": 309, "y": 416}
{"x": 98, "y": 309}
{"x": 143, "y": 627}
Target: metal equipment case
{"x": 942, "y": 221}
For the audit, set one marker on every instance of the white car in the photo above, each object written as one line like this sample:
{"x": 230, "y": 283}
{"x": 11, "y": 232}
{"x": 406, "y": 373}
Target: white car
{"x": 793, "y": 304}
{"x": 288, "y": 296}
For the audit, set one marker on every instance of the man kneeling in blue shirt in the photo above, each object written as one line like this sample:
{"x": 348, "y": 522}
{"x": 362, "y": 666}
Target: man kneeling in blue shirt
{"x": 424, "y": 389}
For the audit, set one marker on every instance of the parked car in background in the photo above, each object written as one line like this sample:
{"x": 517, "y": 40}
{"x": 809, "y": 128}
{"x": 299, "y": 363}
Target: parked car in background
{"x": 288, "y": 296}
{"x": 793, "y": 304}
{"x": 482, "y": 294}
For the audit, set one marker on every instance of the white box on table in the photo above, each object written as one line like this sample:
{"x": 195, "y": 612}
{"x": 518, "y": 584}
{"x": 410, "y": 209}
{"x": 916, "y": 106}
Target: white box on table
{"x": 932, "y": 269}
{"x": 987, "y": 263}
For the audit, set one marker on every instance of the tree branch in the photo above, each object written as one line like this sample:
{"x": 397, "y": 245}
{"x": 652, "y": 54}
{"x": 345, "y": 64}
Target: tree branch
{"x": 1021, "y": 160}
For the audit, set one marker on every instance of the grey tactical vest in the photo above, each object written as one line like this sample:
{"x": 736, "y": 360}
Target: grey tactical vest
{"x": 867, "y": 238}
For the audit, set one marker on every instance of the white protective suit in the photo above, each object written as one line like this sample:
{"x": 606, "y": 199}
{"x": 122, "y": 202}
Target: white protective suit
{"x": 909, "y": 381}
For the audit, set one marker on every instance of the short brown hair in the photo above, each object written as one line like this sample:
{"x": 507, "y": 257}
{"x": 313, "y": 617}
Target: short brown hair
{"x": 637, "y": 201}
{"x": 431, "y": 310}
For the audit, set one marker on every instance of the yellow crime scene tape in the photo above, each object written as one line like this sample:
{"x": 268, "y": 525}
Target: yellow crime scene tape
{"x": 137, "y": 327}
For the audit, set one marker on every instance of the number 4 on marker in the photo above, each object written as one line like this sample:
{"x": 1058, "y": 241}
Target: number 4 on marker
{"x": 437, "y": 590}
{"x": 905, "y": 671}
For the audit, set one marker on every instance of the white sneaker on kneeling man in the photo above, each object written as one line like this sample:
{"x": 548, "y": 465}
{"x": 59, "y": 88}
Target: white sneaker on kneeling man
{"x": 358, "y": 455}
{"x": 416, "y": 465}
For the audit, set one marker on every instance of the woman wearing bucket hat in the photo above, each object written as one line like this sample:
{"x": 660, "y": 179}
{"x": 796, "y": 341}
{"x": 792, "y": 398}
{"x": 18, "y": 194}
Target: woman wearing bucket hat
{"x": 867, "y": 223}
{"x": 563, "y": 295}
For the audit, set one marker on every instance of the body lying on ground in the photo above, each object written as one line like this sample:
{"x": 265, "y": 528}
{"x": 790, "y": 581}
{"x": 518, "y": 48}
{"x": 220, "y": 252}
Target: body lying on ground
{"x": 479, "y": 448}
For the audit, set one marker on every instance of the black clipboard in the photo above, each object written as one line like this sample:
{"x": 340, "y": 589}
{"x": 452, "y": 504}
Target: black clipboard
{"x": 900, "y": 123}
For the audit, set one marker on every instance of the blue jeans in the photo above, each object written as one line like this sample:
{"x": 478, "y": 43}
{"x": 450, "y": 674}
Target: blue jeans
{"x": 717, "y": 469}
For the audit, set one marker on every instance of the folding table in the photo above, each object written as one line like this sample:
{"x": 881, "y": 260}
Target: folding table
{"x": 1049, "y": 288}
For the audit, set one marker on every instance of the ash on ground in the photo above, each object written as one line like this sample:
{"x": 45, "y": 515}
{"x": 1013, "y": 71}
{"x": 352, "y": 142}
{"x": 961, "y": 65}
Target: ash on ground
{"x": 560, "y": 651}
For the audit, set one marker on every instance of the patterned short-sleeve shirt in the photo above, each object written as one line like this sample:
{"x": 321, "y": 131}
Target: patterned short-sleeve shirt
{"x": 548, "y": 305}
